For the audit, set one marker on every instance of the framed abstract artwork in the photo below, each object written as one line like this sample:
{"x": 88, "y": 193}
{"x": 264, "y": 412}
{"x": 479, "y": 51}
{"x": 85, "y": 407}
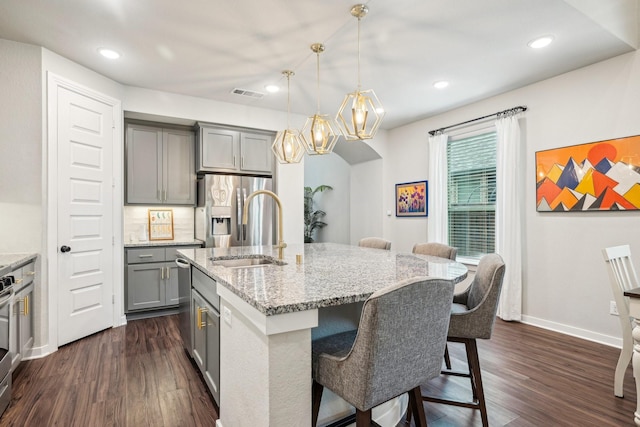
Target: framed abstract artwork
{"x": 160, "y": 224}
{"x": 598, "y": 176}
{"x": 411, "y": 199}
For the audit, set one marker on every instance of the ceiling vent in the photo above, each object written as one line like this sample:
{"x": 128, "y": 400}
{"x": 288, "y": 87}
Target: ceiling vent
{"x": 249, "y": 93}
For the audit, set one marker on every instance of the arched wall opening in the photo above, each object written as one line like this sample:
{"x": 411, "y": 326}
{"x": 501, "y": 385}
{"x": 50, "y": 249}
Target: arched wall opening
{"x": 354, "y": 206}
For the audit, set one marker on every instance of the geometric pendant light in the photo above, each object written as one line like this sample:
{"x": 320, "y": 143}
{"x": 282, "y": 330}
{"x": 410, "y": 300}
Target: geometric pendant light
{"x": 320, "y": 132}
{"x": 361, "y": 112}
{"x": 287, "y": 145}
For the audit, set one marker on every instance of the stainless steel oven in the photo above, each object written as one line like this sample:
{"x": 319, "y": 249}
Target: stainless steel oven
{"x": 6, "y": 299}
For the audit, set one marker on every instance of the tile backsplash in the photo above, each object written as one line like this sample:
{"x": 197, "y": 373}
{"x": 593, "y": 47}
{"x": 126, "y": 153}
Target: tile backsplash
{"x": 137, "y": 217}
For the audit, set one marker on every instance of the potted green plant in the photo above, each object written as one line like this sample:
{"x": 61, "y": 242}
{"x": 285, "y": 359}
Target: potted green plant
{"x": 313, "y": 218}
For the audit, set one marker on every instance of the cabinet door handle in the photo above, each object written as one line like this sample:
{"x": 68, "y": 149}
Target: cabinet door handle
{"x": 25, "y": 305}
{"x": 146, "y": 256}
{"x": 201, "y": 324}
{"x": 31, "y": 273}
{"x": 238, "y": 214}
{"x": 18, "y": 281}
{"x": 242, "y": 162}
{"x": 234, "y": 161}
{"x": 168, "y": 273}
{"x": 161, "y": 273}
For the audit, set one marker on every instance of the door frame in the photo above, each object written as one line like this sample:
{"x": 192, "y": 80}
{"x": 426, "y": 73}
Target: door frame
{"x": 50, "y": 154}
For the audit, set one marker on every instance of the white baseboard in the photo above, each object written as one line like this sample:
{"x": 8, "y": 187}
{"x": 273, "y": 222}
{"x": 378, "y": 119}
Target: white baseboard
{"x": 218, "y": 423}
{"x": 573, "y": 331}
{"x": 38, "y": 352}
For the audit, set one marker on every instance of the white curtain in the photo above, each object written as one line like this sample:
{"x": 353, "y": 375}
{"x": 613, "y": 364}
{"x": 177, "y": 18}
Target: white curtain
{"x": 438, "y": 223}
{"x": 509, "y": 211}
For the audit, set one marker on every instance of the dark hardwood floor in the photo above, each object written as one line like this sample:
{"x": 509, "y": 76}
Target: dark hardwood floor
{"x": 135, "y": 375}
{"x": 139, "y": 375}
{"x": 535, "y": 377}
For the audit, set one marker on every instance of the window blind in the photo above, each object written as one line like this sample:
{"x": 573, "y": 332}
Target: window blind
{"x": 471, "y": 166}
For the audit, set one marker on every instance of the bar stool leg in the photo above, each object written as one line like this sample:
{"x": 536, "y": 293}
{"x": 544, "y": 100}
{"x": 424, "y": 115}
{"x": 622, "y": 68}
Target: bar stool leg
{"x": 316, "y": 395}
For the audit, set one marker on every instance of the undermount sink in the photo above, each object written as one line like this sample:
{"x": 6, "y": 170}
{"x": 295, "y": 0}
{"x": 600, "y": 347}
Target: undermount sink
{"x": 247, "y": 262}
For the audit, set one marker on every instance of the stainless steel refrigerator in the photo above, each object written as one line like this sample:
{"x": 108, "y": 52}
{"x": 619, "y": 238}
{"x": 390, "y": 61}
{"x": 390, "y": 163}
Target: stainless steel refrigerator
{"x": 218, "y": 214}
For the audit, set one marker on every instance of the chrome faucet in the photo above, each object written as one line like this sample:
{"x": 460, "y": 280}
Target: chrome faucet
{"x": 245, "y": 216}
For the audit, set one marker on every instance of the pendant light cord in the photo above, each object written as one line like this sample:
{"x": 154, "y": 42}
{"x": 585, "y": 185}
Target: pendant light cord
{"x": 359, "y": 54}
{"x": 288, "y": 98}
{"x": 318, "y": 80}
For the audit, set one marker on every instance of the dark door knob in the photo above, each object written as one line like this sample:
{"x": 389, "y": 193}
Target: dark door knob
{"x": 64, "y": 249}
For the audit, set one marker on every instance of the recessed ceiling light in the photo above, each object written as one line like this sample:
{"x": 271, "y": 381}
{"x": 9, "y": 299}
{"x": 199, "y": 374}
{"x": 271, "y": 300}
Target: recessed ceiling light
{"x": 272, "y": 88}
{"x": 540, "y": 42}
{"x": 108, "y": 53}
{"x": 441, "y": 84}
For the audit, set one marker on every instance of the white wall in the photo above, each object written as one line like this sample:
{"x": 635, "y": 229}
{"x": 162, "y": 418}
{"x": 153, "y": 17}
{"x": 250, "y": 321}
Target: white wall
{"x": 332, "y": 170}
{"x": 407, "y": 162}
{"x": 565, "y": 280}
{"x": 21, "y": 174}
{"x": 20, "y": 148}
{"x": 367, "y": 209}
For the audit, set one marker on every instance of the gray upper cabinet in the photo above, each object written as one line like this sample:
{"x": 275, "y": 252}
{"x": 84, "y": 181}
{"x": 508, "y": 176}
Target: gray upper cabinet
{"x": 230, "y": 150}
{"x": 255, "y": 152}
{"x": 160, "y": 165}
{"x": 217, "y": 149}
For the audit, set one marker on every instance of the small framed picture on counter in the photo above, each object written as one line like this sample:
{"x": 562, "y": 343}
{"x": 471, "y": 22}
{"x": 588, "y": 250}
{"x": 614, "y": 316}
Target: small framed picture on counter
{"x": 160, "y": 224}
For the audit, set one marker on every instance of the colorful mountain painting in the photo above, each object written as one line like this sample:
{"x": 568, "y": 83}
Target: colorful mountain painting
{"x": 599, "y": 176}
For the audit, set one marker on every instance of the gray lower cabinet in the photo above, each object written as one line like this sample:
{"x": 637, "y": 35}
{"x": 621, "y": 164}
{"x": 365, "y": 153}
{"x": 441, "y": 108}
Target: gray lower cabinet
{"x": 205, "y": 321}
{"x": 231, "y": 150}
{"x": 152, "y": 278}
{"x": 160, "y": 165}
{"x": 21, "y": 335}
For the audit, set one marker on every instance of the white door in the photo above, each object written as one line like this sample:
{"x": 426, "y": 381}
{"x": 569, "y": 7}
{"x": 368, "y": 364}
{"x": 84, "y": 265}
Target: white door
{"x": 85, "y": 224}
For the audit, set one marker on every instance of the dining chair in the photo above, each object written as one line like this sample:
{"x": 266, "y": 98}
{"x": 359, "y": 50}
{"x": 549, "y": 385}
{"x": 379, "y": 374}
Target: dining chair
{"x": 398, "y": 346}
{"x": 622, "y": 276}
{"x": 473, "y": 315}
{"x": 375, "y": 242}
{"x": 443, "y": 251}
{"x": 435, "y": 249}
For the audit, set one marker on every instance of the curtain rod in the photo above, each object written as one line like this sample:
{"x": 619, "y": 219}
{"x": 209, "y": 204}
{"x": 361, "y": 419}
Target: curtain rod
{"x": 513, "y": 110}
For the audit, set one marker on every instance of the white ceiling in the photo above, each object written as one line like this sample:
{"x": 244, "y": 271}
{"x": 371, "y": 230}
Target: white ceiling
{"x": 206, "y": 48}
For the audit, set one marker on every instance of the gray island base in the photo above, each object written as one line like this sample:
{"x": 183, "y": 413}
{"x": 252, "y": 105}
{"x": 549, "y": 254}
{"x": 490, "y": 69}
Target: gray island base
{"x": 270, "y": 313}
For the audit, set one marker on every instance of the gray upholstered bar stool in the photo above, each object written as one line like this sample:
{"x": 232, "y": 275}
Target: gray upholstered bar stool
{"x": 398, "y": 346}
{"x": 436, "y": 249}
{"x": 473, "y": 314}
{"x": 375, "y": 242}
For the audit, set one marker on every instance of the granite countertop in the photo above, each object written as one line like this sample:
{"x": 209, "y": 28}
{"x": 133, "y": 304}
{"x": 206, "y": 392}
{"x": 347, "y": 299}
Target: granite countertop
{"x": 13, "y": 261}
{"x": 330, "y": 274}
{"x": 163, "y": 243}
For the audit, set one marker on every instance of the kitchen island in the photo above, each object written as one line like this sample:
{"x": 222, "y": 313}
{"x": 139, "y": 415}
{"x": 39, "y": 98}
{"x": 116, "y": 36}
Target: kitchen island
{"x": 270, "y": 313}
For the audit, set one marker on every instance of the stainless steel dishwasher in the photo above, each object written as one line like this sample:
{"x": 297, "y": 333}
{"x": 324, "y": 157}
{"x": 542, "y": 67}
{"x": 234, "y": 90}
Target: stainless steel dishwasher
{"x": 184, "y": 304}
